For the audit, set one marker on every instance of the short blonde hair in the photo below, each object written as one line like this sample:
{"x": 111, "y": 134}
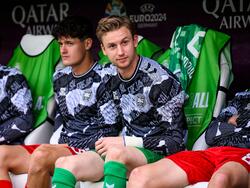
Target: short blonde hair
{"x": 112, "y": 23}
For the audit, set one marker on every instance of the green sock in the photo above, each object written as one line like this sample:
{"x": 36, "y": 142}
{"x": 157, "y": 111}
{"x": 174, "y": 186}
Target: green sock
{"x": 114, "y": 175}
{"x": 63, "y": 178}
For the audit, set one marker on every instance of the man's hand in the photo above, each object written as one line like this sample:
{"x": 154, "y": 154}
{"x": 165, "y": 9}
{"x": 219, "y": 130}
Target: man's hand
{"x": 232, "y": 120}
{"x": 103, "y": 144}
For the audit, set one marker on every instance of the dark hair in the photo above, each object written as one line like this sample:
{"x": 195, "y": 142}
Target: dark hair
{"x": 75, "y": 27}
{"x": 112, "y": 23}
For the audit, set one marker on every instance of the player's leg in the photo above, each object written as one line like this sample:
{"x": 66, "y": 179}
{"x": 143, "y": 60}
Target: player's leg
{"x": 177, "y": 170}
{"x": 231, "y": 174}
{"x": 123, "y": 160}
{"x": 161, "y": 174}
{"x": 87, "y": 166}
{"x": 13, "y": 159}
{"x": 42, "y": 162}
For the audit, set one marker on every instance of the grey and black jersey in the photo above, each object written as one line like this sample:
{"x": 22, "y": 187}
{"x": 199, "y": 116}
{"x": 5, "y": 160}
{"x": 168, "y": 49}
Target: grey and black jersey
{"x": 151, "y": 106}
{"x": 85, "y": 107}
{"x": 15, "y": 106}
{"x": 222, "y": 133}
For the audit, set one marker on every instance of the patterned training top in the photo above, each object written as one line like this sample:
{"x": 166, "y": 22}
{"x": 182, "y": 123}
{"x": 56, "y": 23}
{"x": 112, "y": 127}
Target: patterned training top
{"x": 85, "y": 107}
{"x": 151, "y": 104}
{"x": 15, "y": 106}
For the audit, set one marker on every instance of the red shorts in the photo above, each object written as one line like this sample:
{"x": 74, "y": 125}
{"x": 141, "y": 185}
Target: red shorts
{"x": 200, "y": 165}
{"x": 31, "y": 148}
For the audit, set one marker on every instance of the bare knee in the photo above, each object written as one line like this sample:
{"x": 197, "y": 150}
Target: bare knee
{"x": 40, "y": 160}
{"x": 231, "y": 174}
{"x": 66, "y": 162}
{"x": 220, "y": 180}
{"x": 117, "y": 154}
{"x": 71, "y": 163}
{"x": 87, "y": 160}
{"x": 139, "y": 178}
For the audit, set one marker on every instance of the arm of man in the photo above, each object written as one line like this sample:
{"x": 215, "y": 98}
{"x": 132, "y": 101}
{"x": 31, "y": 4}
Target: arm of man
{"x": 167, "y": 137}
{"x": 224, "y": 130}
{"x": 17, "y": 118}
{"x": 15, "y": 128}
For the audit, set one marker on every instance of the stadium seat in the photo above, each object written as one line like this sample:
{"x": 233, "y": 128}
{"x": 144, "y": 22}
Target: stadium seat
{"x": 201, "y": 59}
{"x": 209, "y": 82}
{"x": 37, "y": 57}
{"x": 225, "y": 81}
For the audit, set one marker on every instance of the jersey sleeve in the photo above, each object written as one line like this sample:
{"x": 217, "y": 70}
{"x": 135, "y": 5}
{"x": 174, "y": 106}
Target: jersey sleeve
{"x": 15, "y": 128}
{"x": 168, "y": 99}
{"x": 16, "y": 113}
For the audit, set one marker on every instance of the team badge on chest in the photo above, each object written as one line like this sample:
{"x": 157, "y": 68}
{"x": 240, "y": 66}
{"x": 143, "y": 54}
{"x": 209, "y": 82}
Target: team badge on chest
{"x": 87, "y": 94}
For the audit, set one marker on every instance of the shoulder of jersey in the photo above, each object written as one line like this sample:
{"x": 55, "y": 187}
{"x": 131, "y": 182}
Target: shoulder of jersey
{"x": 60, "y": 72}
{"x": 10, "y": 70}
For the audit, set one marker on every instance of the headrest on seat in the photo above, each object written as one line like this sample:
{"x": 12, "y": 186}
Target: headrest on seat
{"x": 35, "y": 44}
